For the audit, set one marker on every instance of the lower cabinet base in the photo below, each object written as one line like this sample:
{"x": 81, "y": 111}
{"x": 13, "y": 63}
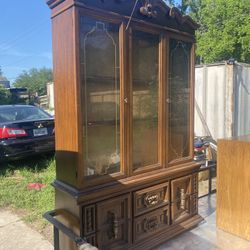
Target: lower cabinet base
{"x": 140, "y": 216}
{"x": 163, "y": 236}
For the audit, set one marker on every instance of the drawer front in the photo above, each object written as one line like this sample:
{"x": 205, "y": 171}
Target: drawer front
{"x": 151, "y": 198}
{"x": 184, "y": 208}
{"x": 113, "y": 223}
{"x": 151, "y": 223}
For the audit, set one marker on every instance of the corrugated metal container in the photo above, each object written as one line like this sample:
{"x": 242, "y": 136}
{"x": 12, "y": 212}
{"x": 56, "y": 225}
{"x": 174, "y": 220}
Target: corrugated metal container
{"x": 222, "y": 100}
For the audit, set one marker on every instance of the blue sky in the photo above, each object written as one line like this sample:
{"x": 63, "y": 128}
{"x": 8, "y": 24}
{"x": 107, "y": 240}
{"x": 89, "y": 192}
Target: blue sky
{"x": 25, "y": 36}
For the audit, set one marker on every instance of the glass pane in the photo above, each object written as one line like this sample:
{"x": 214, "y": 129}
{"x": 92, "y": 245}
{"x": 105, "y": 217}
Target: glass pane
{"x": 101, "y": 94}
{"x": 179, "y": 100}
{"x": 214, "y": 179}
{"x": 203, "y": 178}
{"x": 145, "y": 98}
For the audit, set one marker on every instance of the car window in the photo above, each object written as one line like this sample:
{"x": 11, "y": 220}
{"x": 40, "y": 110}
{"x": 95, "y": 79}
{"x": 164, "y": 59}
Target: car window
{"x": 12, "y": 114}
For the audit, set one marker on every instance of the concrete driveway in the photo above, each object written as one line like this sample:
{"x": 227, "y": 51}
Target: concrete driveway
{"x": 15, "y": 234}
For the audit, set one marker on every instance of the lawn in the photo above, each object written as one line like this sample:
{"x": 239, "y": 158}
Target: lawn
{"x": 15, "y": 194}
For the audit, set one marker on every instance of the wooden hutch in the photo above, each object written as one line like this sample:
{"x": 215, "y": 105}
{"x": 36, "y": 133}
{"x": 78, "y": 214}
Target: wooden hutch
{"x": 124, "y": 83}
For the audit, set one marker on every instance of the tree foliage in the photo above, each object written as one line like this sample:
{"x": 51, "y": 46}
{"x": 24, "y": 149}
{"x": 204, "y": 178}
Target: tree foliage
{"x": 224, "y": 31}
{"x": 5, "y": 96}
{"x": 35, "y": 80}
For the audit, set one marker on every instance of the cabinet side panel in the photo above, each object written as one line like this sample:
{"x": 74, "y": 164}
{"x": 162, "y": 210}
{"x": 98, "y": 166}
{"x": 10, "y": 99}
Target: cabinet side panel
{"x": 66, "y": 108}
{"x": 233, "y": 187}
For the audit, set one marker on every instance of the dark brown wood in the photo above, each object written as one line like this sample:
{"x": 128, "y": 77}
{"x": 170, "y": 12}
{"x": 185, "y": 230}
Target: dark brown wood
{"x": 151, "y": 198}
{"x": 151, "y": 223}
{"x": 164, "y": 15}
{"x": 131, "y": 208}
{"x": 114, "y": 223}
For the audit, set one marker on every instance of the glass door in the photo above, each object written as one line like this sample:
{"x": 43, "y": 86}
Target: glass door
{"x": 145, "y": 95}
{"x": 179, "y": 97}
{"x": 101, "y": 96}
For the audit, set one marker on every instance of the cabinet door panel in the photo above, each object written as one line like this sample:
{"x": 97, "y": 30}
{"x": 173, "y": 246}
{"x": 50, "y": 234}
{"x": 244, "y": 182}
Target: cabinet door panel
{"x": 184, "y": 197}
{"x": 179, "y": 100}
{"x": 182, "y": 209}
{"x": 145, "y": 88}
{"x": 113, "y": 224}
{"x": 181, "y": 187}
{"x": 100, "y": 69}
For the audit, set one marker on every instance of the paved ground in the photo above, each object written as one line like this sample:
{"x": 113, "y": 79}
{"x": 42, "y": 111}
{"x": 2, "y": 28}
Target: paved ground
{"x": 16, "y": 235}
{"x": 206, "y": 236}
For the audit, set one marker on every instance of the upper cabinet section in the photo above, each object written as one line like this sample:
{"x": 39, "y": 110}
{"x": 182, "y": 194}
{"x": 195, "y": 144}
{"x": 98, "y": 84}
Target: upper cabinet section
{"x": 125, "y": 68}
{"x": 153, "y": 11}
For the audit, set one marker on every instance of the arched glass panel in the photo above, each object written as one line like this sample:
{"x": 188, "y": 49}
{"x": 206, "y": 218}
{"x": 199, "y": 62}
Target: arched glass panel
{"x": 101, "y": 95}
{"x": 179, "y": 100}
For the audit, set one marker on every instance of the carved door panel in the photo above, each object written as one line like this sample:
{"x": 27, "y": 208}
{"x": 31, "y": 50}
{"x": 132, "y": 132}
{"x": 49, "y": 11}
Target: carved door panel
{"x": 113, "y": 223}
{"x": 180, "y": 210}
{"x": 181, "y": 188}
{"x": 183, "y": 197}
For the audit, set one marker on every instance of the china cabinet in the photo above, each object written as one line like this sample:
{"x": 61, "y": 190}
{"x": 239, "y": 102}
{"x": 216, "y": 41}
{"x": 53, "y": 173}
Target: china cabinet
{"x": 124, "y": 74}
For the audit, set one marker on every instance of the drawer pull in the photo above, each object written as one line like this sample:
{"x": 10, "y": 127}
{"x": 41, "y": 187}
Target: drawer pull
{"x": 113, "y": 225}
{"x": 150, "y": 224}
{"x": 152, "y": 199}
{"x": 183, "y": 198}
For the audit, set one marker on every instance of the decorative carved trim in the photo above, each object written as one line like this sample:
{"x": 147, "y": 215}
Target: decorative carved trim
{"x": 195, "y": 183}
{"x": 89, "y": 220}
{"x": 156, "y": 11}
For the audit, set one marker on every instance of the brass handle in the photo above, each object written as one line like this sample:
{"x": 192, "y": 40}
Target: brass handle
{"x": 150, "y": 224}
{"x": 113, "y": 225}
{"x": 152, "y": 199}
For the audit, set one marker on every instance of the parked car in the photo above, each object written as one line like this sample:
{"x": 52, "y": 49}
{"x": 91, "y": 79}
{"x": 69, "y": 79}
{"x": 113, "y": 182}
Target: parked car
{"x": 25, "y": 130}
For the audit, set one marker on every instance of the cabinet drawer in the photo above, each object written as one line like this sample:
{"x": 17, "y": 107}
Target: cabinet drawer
{"x": 151, "y": 223}
{"x": 148, "y": 199}
{"x": 113, "y": 223}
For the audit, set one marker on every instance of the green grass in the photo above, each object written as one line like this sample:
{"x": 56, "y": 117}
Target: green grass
{"x": 31, "y": 204}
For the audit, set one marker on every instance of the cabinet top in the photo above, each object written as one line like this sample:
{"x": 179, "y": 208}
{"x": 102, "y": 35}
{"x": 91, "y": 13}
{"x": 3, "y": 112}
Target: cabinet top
{"x": 153, "y": 11}
{"x": 242, "y": 138}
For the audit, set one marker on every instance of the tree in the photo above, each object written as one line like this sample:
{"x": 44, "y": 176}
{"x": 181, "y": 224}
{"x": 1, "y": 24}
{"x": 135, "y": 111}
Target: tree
{"x": 224, "y": 31}
{"x": 5, "y": 96}
{"x": 35, "y": 80}
{"x": 185, "y": 6}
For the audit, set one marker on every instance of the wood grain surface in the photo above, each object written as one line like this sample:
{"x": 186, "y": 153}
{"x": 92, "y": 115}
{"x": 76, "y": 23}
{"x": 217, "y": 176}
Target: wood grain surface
{"x": 233, "y": 189}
